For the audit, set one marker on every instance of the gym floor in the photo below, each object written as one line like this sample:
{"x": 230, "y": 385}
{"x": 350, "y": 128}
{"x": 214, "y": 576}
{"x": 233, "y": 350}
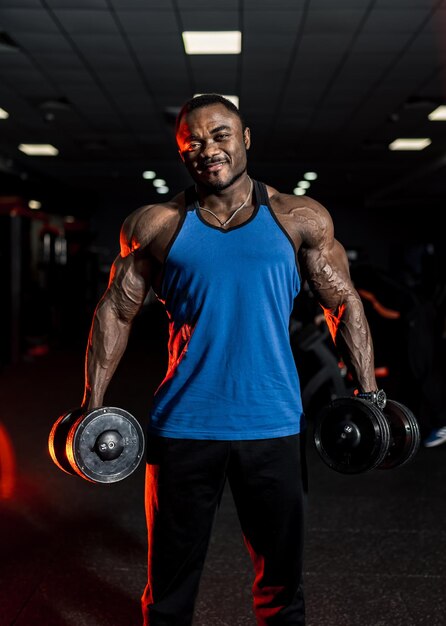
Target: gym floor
{"x": 74, "y": 553}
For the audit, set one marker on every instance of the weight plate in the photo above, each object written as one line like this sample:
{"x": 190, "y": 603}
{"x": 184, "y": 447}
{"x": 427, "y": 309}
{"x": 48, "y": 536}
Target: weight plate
{"x": 58, "y": 438}
{"x": 404, "y": 435}
{"x": 106, "y": 445}
{"x": 351, "y": 435}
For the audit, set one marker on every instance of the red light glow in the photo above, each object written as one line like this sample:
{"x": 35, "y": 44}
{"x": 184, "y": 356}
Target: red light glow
{"x": 7, "y": 465}
{"x": 178, "y": 343}
{"x": 265, "y": 597}
{"x": 383, "y": 311}
{"x": 333, "y": 319}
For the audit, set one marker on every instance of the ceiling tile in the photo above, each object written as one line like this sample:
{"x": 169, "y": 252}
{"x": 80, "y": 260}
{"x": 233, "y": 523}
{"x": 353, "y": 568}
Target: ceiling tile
{"x": 76, "y": 21}
{"x": 52, "y": 43}
{"x": 126, "y": 78}
{"x": 342, "y": 4}
{"x": 160, "y": 86}
{"x": 21, "y": 4}
{"x": 158, "y": 45}
{"x": 425, "y": 5}
{"x": 390, "y": 43}
{"x": 102, "y": 50}
{"x": 142, "y": 4}
{"x": 26, "y": 20}
{"x": 77, "y": 4}
{"x": 322, "y": 46}
{"x": 261, "y": 23}
{"x": 26, "y": 79}
{"x": 135, "y": 103}
{"x": 67, "y": 62}
{"x": 394, "y": 21}
{"x": 363, "y": 64}
{"x": 14, "y": 59}
{"x": 207, "y": 19}
{"x": 435, "y": 85}
{"x": 71, "y": 78}
{"x": 276, "y": 45}
{"x": 148, "y": 22}
{"x": 231, "y": 5}
{"x": 333, "y": 21}
{"x": 219, "y": 75}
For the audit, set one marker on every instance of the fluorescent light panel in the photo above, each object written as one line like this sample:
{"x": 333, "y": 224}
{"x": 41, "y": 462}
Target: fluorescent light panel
{"x": 38, "y": 149}
{"x": 418, "y": 143}
{"x": 310, "y": 176}
{"x": 233, "y": 99}
{"x": 212, "y": 42}
{"x": 3, "y": 114}
{"x": 438, "y": 114}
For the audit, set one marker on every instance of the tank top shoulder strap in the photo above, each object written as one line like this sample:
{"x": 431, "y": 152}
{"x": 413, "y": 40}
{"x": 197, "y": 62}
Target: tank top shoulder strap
{"x": 190, "y": 198}
{"x": 261, "y": 193}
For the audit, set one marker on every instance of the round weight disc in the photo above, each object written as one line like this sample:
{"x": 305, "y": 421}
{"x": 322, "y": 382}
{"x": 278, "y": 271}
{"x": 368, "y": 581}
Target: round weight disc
{"x": 404, "y": 435}
{"x": 351, "y": 435}
{"x": 58, "y": 438}
{"x": 87, "y": 435}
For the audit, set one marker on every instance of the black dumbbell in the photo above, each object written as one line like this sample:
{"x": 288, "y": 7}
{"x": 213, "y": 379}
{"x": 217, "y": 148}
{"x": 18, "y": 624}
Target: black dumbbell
{"x": 353, "y": 435}
{"x": 104, "y": 445}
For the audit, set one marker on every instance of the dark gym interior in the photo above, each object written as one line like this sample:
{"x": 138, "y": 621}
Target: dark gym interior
{"x": 326, "y": 89}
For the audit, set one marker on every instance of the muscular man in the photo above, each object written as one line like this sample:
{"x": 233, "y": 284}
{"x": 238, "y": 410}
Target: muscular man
{"x": 222, "y": 257}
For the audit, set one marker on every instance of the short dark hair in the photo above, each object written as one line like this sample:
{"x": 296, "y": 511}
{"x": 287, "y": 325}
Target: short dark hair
{"x": 205, "y": 100}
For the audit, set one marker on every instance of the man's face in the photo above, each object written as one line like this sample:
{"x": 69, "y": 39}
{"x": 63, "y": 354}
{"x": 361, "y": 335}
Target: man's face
{"x": 213, "y": 146}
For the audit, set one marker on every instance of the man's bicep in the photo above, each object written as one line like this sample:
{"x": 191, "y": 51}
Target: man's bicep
{"x": 130, "y": 280}
{"x": 327, "y": 272}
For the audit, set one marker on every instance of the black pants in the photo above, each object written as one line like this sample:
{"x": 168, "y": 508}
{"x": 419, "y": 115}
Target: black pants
{"x": 184, "y": 483}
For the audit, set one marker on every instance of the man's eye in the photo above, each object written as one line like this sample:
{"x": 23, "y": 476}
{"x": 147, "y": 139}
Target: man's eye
{"x": 193, "y": 146}
{"x": 221, "y": 136}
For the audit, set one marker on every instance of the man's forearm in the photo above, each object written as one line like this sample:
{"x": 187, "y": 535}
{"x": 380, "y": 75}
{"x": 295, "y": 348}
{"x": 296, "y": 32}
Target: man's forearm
{"x": 351, "y": 333}
{"x": 106, "y": 344}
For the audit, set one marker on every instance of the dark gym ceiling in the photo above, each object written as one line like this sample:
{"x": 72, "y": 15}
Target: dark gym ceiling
{"x": 325, "y": 85}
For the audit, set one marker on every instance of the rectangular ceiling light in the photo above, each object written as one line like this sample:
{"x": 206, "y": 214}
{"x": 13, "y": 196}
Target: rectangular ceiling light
{"x": 438, "y": 114}
{"x": 233, "y": 99}
{"x": 38, "y": 149}
{"x": 418, "y": 143}
{"x": 212, "y": 42}
{"x": 3, "y": 114}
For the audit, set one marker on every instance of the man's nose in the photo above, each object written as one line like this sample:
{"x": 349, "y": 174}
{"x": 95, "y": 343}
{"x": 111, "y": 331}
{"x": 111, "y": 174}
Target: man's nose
{"x": 210, "y": 149}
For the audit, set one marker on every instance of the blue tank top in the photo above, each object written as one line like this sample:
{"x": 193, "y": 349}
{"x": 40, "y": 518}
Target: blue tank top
{"x": 229, "y": 295}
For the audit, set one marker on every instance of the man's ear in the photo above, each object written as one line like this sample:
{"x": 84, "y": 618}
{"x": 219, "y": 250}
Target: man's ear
{"x": 247, "y": 138}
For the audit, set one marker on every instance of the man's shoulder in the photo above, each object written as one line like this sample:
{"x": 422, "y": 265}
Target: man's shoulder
{"x": 305, "y": 219}
{"x": 156, "y": 211}
{"x": 144, "y": 223}
{"x": 286, "y": 203}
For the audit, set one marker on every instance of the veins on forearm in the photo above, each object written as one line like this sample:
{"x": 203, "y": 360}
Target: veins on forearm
{"x": 106, "y": 344}
{"x": 346, "y": 321}
{"x": 351, "y": 335}
{"x": 109, "y": 335}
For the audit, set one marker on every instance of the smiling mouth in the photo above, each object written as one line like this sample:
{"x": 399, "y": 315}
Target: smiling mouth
{"x": 214, "y": 167}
